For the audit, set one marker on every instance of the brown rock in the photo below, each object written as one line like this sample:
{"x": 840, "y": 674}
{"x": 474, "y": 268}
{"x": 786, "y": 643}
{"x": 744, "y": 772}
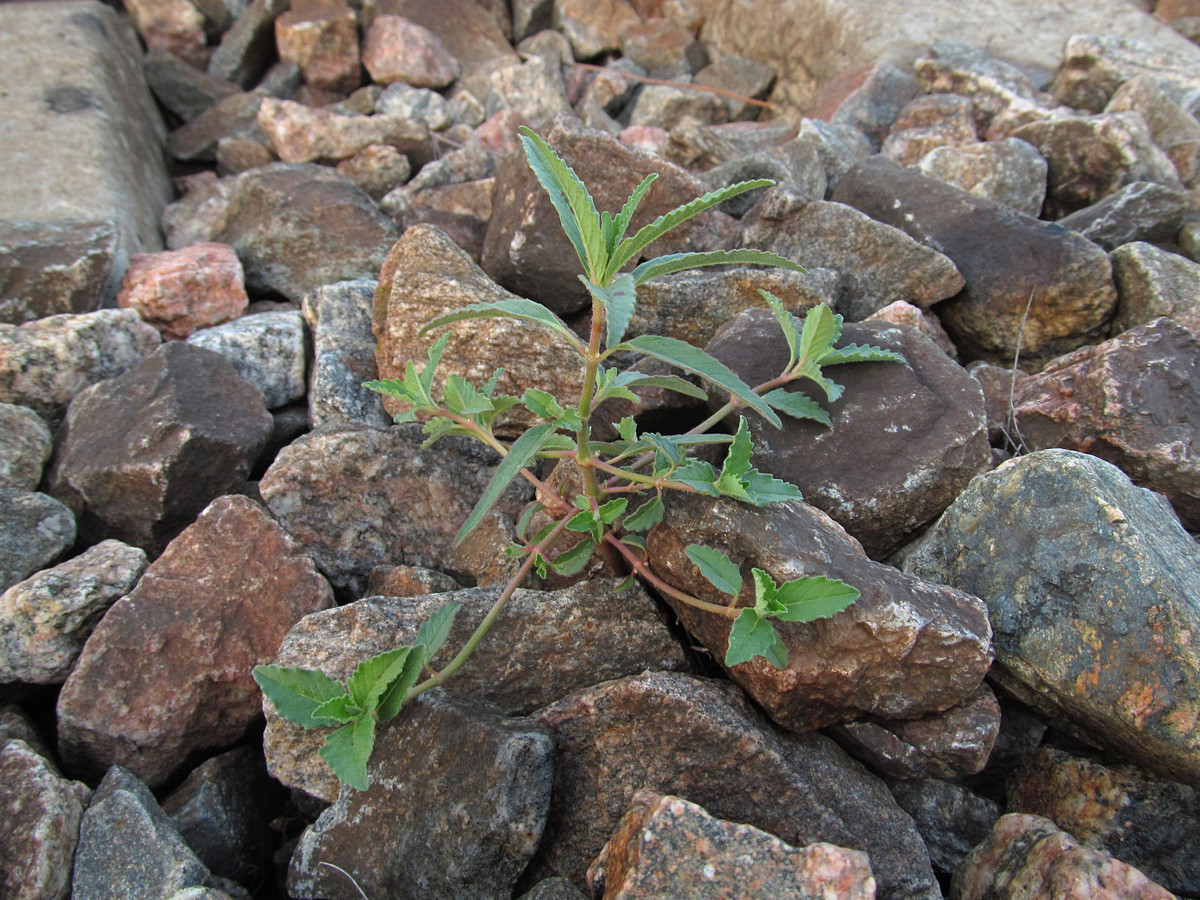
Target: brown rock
{"x": 182, "y": 291}
{"x": 376, "y": 169}
{"x": 699, "y": 738}
{"x": 660, "y": 45}
{"x": 143, "y": 453}
{"x": 52, "y": 268}
{"x": 1028, "y": 283}
{"x": 1095, "y": 65}
{"x": 1009, "y": 171}
{"x": 1028, "y": 857}
{"x": 395, "y": 49}
{"x": 171, "y": 26}
{"x": 167, "y": 671}
{"x": 593, "y": 27}
{"x": 1172, "y": 127}
{"x": 924, "y": 321}
{"x": 868, "y": 98}
{"x": 299, "y": 133}
{"x": 426, "y": 275}
{"x": 408, "y": 581}
{"x": 1152, "y": 282}
{"x": 323, "y": 42}
{"x": 1131, "y": 401}
{"x": 666, "y": 846}
{"x": 232, "y": 116}
{"x": 929, "y": 122}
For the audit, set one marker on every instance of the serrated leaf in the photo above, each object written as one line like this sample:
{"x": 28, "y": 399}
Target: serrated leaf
{"x": 574, "y": 205}
{"x": 679, "y": 262}
{"x": 631, "y": 247}
{"x": 513, "y": 308}
{"x": 797, "y": 405}
{"x": 586, "y": 522}
{"x": 460, "y": 396}
{"x": 694, "y": 360}
{"x": 627, "y": 429}
{"x": 646, "y": 516}
{"x": 298, "y": 692}
{"x": 737, "y": 463}
{"x": 374, "y": 675}
{"x": 668, "y": 382}
{"x": 751, "y": 636}
{"x": 763, "y": 489}
{"x": 698, "y": 475}
{"x": 810, "y": 597}
{"x": 718, "y": 568}
{"x": 855, "y": 353}
{"x": 612, "y": 510}
{"x": 436, "y": 629}
{"x": 572, "y": 562}
{"x": 821, "y": 329}
{"x": 619, "y": 299}
{"x": 393, "y": 698}
{"x": 348, "y": 749}
{"x": 339, "y": 709}
{"x": 786, "y": 324}
{"x": 519, "y": 454}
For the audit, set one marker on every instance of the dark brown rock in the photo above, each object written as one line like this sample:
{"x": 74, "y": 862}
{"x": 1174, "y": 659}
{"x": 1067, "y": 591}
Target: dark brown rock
{"x": 143, "y": 453}
{"x": 666, "y": 846}
{"x": 916, "y": 430}
{"x": 230, "y": 117}
{"x": 1094, "y": 66}
{"x": 951, "y": 818}
{"x": 526, "y": 250}
{"x": 1141, "y": 211}
{"x": 297, "y": 226}
{"x": 181, "y": 87}
{"x": 886, "y": 655}
{"x": 50, "y": 268}
{"x": 1011, "y": 263}
{"x": 456, "y": 806}
{"x": 167, "y": 671}
{"x": 544, "y": 646}
{"x": 357, "y": 497}
{"x": 699, "y": 739}
{"x": 1133, "y": 400}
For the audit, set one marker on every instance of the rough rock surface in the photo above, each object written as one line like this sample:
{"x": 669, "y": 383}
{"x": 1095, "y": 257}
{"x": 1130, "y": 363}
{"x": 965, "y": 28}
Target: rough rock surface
{"x": 143, "y": 453}
{"x": 456, "y": 804}
{"x": 54, "y": 268}
{"x": 1008, "y": 171}
{"x": 266, "y": 349}
{"x": 180, "y": 291}
{"x": 700, "y": 740}
{"x": 25, "y": 446}
{"x": 300, "y": 134}
{"x": 1141, "y": 211}
{"x": 950, "y": 818}
{"x": 918, "y": 429}
{"x": 1090, "y": 586}
{"x": 1152, "y": 282}
{"x": 34, "y": 529}
{"x": 167, "y": 671}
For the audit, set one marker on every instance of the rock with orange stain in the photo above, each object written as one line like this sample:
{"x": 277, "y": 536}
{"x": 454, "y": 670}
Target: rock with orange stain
{"x": 1092, "y": 588}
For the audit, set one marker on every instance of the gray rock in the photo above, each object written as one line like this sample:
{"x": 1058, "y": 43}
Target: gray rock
{"x": 339, "y": 320}
{"x": 950, "y": 818}
{"x": 407, "y": 102}
{"x": 181, "y": 87}
{"x": 44, "y": 364}
{"x": 740, "y": 76}
{"x": 1152, "y": 282}
{"x": 15, "y": 725}
{"x": 918, "y": 430}
{"x": 166, "y": 673}
{"x": 593, "y": 28}
{"x": 797, "y": 164}
{"x": 838, "y": 146}
{"x": 232, "y": 117}
{"x": 1095, "y": 65}
{"x": 1088, "y": 581}
{"x": 198, "y": 215}
{"x": 40, "y": 832}
{"x": 357, "y": 497}
{"x": 929, "y": 644}
{"x": 700, "y": 738}
{"x": 556, "y": 888}
{"x": 545, "y": 645}
{"x": 879, "y": 264}
{"x": 52, "y": 268}
{"x": 143, "y": 453}
{"x": 45, "y": 620}
{"x": 1133, "y": 400}
{"x": 246, "y": 49}
{"x": 83, "y": 139}
{"x": 266, "y": 349}
{"x": 1008, "y": 171}
{"x": 533, "y": 90}
{"x": 297, "y": 226}
{"x": 878, "y": 93}
{"x": 129, "y": 848}
{"x": 664, "y": 105}
{"x": 1028, "y": 283}
{"x": 1142, "y": 211}
{"x": 456, "y": 806}
{"x": 25, "y": 445}
{"x": 302, "y": 134}
{"x": 34, "y": 530}
{"x": 1172, "y": 127}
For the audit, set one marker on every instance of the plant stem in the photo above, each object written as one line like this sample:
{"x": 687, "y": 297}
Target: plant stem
{"x": 639, "y": 566}
{"x": 583, "y": 452}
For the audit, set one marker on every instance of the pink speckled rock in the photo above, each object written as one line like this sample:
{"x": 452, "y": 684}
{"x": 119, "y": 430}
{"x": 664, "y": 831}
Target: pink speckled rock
{"x": 323, "y": 42}
{"x": 182, "y": 291}
{"x": 396, "y": 49}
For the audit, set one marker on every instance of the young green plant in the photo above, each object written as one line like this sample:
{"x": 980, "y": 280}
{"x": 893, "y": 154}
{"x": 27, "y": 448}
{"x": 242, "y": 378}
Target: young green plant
{"x": 622, "y": 480}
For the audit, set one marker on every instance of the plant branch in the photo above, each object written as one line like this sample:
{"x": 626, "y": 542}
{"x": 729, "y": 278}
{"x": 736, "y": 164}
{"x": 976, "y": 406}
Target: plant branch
{"x": 638, "y": 564}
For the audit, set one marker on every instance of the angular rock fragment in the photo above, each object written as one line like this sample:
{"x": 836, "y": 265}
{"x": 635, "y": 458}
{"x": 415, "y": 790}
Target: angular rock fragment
{"x": 929, "y": 122}
{"x": 1152, "y": 282}
{"x": 167, "y": 671}
{"x": 25, "y": 445}
{"x": 1172, "y": 127}
{"x": 1094, "y": 66}
{"x": 323, "y": 41}
{"x": 1028, "y": 283}
{"x": 868, "y": 99}
{"x": 376, "y": 169}
{"x": 917, "y": 430}
{"x": 395, "y": 49}
{"x": 1133, "y": 400}
{"x": 593, "y": 28}
{"x": 141, "y": 454}
{"x": 181, "y": 87}
{"x": 301, "y": 134}
{"x": 180, "y": 291}
{"x": 1090, "y": 587}
{"x": 1142, "y": 211}
{"x": 543, "y": 647}
{"x": 247, "y": 48}
{"x": 45, "y": 620}
{"x": 924, "y": 321}
{"x": 950, "y": 818}
{"x": 266, "y": 349}
{"x": 1009, "y": 171}
{"x": 34, "y": 530}
{"x": 456, "y": 806}
{"x": 53, "y": 268}
{"x": 235, "y": 116}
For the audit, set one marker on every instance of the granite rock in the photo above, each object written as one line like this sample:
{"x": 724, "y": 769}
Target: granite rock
{"x": 35, "y": 529}
{"x": 181, "y": 291}
{"x": 25, "y": 446}
{"x": 267, "y": 349}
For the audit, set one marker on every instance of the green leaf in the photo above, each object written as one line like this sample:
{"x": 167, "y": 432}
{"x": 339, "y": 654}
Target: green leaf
{"x": 546, "y": 406}
{"x": 298, "y": 692}
{"x": 804, "y": 599}
{"x": 575, "y": 207}
{"x": 348, "y": 749}
{"x": 821, "y": 328}
{"x": 519, "y": 454}
{"x": 514, "y": 308}
{"x": 587, "y": 522}
{"x": 646, "y": 516}
{"x": 855, "y": 353}
{"x": 797, "y": 405}
{"x": 619, "y": 299}
{"x": 436, "y": 629}
{"x": 461, "y": 397}
{"x": 393, "y": 698}
{"x": 763, "y": 489}
{"x": 678, "y": 262}
{"x": 717, "y": 568}
{"x": 413, "y": 388}
{"x": 630, "y": 248}
{"x": 612, "y": 510}
{"x": 674, "y": 383}
{"x": 339, "y": 709}
{"x": 374, "y": 675}
{"x": 737, "y": 463}
{"x": 571, "y": 562}
{"x": 751, "y": 636}
{"x": 697, "y": 475}
{"x": 621, "y": 223}
{"x": 627, "y": 429}
{"x": 786, "y": 324}
{"x": 694, "y": 360}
